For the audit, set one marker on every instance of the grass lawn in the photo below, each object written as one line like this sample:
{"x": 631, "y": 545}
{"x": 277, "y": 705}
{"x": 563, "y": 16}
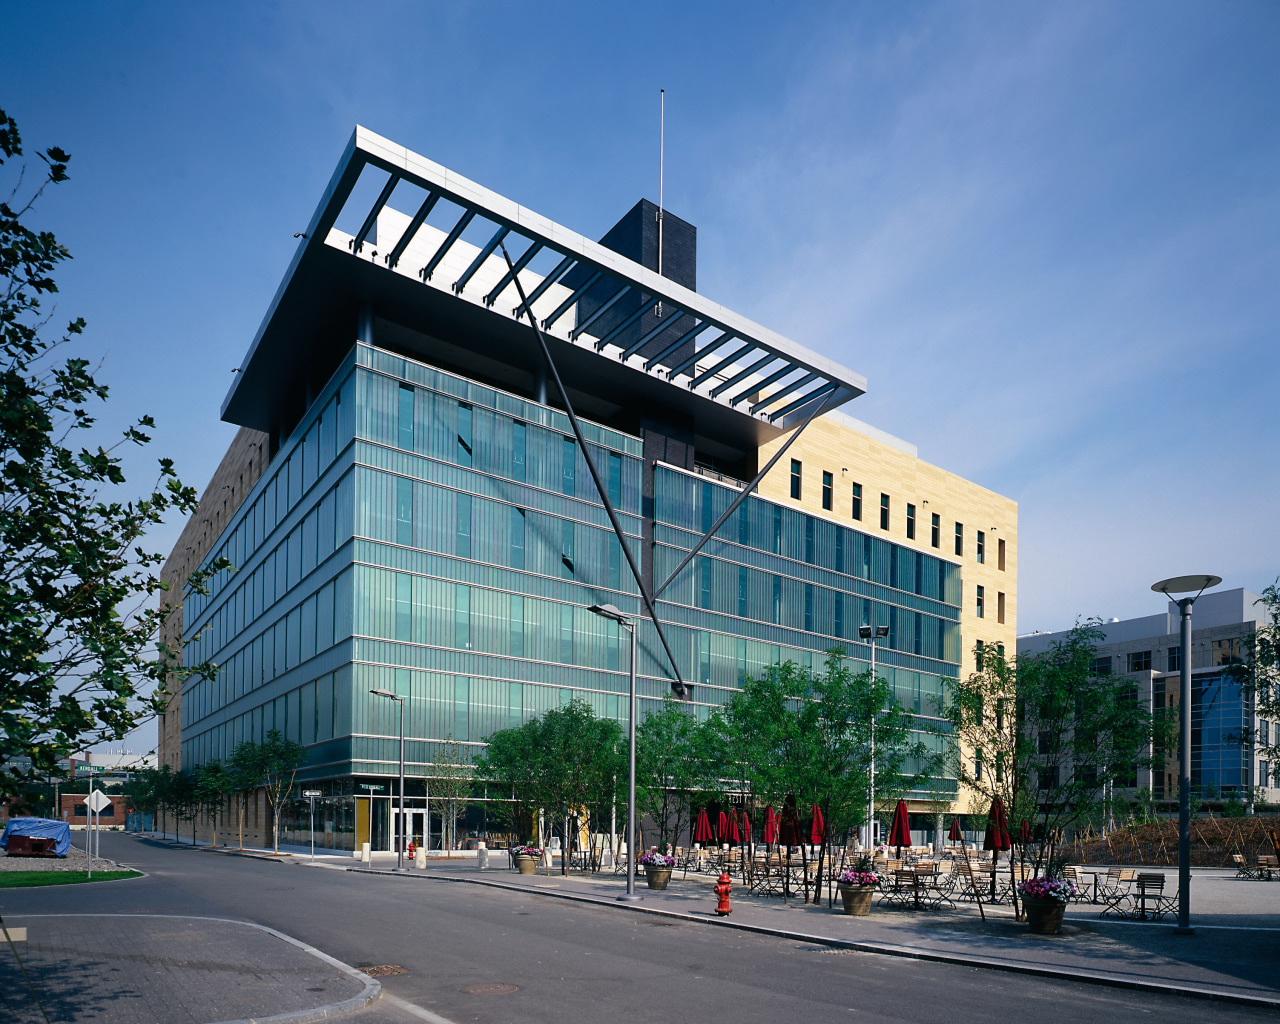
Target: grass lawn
{"x": 22, "y": 879}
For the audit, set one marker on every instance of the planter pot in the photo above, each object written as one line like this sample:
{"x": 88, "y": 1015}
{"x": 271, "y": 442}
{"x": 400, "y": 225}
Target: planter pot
{"x": 658, "y": 877}
{"x": 526, "y": 865}
{"x": 1044, "y": 917}
{"x": 857, "y": 899}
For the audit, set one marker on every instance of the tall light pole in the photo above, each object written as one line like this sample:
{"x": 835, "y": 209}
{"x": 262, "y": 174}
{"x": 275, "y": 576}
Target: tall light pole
{"x": 608, "y": 611}
{"x": 1169, "y": 587}
{"x": 871, "y": 634}
{"x": 400, "y": 827}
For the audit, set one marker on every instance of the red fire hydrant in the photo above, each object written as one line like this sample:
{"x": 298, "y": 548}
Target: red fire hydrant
{"x": 722, "y": 888}
{"x": 411, "y": 849}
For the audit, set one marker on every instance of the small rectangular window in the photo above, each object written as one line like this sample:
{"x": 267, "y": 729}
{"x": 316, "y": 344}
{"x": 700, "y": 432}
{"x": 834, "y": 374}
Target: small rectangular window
{"x": 404, "y": 433}
{"x": 982, "y": 600}
{"x": 979, "y": 655}
{"x": 795, "y": 479}
{"x": 615, "y": 479}
{"x": 935, "y": 530}
{"x": 911, "y": 522}
{"x": 704, "y": 583}
{"x": 1175, "y": 659}
{"x": 1000, "y": 555}
{"x": 828, "y": 489}
{"x": 977, "y": 764}
{"x": 982, "y": 547}
{"x": 884, "y": 511}
{"x": 959, "y": 538}
{"x": 569, "y": 467}
{"x": 463, "y": 531}
{"x": 404, "y": 511}
{"x": 1000, "y": 607}
{"x": 517, "y": 538}
{"x": 1101, "y": 666}
{"x": 1139, "y": 661}
{"x": 519, "y": 434}
{"x": 464, "y": 434}
{"x": 857, "y": 502}
{"x": 566, "y": 548}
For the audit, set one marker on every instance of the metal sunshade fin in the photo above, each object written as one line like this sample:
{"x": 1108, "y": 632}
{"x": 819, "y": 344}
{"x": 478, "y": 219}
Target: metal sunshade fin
{"x": 481, "y": 256}
{"x": 419, "y": 218}
{"x": 706, "y": 350}
{"x": 508, "y": 277}
{"x": 357, "y": 243}
{"x": 743, "y": 374}
{"x": 583, "y": 327}
{"x": 571, "y": 301}
{"x": 466, "y": 218}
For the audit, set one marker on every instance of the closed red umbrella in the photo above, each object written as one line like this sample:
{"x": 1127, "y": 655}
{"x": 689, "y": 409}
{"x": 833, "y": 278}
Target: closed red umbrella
{"x": 997, "y": 837}
{"x": 770, "y": 825}
{"x": 731, "y": 833}
{"x": 702, "y": 830}
{"x": 745, "y": 825}
{"x": 900, "y": 833}
{"x": 954, "y": 835}
{"x": 817, "y": 827}
{"x": 722, "y": 828}
{"x": 1026, "y": 832}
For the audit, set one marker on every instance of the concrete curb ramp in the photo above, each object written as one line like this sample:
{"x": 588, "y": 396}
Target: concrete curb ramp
{"x": 371, "y": 989}
{"x": 883, "y": 949}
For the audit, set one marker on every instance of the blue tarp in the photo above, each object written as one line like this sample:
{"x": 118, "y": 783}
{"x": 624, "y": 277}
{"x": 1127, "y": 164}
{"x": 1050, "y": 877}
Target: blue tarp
{"x": 39, "y": 828}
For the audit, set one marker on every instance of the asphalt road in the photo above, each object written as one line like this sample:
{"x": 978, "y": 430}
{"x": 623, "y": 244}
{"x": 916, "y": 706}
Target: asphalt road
{"x": 574, "y": 962}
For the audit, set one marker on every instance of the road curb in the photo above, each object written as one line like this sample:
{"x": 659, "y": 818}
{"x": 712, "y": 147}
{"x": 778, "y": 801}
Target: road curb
{"x": 882, "y": 949}
{"x": 370, "y": 994}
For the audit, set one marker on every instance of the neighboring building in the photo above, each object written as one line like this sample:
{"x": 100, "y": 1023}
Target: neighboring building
{"x": 1148, "y": 651}
{"x": 74, "y": 810}
{"x": 407, "y": 507}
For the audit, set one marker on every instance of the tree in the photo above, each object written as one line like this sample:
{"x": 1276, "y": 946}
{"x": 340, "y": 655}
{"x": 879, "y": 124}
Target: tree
{"x": 803, "y": 739}
{"x": 668, "y": 767}
{"x": 79, "y": 609}
{"x": 451, "y": 785}
{"x": 510, "y": 760}
{"x": 212, "y": 783}
{"x": 565, "y": 763}
{"x": 244, "y": 774}
{"x": 1046, "y": 732}
{"x": 1259, "y": 676}
{"x": 278, "y": 762}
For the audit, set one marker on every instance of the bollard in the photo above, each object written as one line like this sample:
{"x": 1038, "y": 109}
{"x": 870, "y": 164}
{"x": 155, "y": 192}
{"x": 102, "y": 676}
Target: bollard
{"x": 365, "y": 856}
{"x": 482, "y": 857}
{"x": 420, "y": 857}
{"x": 722, "y": 888}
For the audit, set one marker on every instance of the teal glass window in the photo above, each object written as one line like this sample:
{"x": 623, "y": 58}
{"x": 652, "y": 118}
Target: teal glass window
{"x": 464, "y": 451}
{"x": 569, "y": 466}
{"x": 517, "y": 537}
{"x": 795, "y": 479}
{"x": 857, "y": 501}
{"x": 704, "y": 583}
{"x": 777, "y": 599}
{"x": 566, "y": 547}
{"x": 959, "y": 538}
{"x": 462, "y": 546}
{"x": 911, "y": 522}
{"x": 462, "y": 618}
{"x": 404, "y": 419}
{"x": 981, "y": 549}
{"x": 935, "y": 530}
{"x": 404, "y": 511}
{"x": 828, "y": 491}
{"x": 615, "y": 479}
{"x": 809, "y": 555}
{"x": 742, "y": 591}
{"x": 566, "y": 634}
{"x": 519, "y": 441}
{"x": 515, "y": 638}
{"x": 404, "y": 607}
{"x": 615, "y": 562}
{"x": 808, "y": 607}
{"x": 884, "y": 511}
{"x": 981, "y": 602}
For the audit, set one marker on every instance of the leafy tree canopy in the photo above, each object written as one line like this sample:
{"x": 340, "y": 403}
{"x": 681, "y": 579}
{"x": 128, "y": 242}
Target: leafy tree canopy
{"x": 80, "y": 614}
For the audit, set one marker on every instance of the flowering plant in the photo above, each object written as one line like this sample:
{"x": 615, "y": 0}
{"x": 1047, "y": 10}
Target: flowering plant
{"x": 526, "y": 851}
{"x": 851, "y": 876}
{"x": 1043, "y": 887}
{"x": 654, "y": 859}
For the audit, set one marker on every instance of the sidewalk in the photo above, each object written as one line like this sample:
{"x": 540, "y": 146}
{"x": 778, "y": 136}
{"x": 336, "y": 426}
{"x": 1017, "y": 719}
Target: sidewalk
{"x": 138, "y": 969}
{"x": 1232, "y": 956}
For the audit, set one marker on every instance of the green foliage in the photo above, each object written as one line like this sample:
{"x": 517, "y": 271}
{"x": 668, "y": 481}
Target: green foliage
{"x": 564, "y": 762}
{"x": 1050, "y": 733}
{"x": 79, "y": 595}
{"x": 28, "y": 879}
{"x": 272, "y": 766}
{"x": 671, "y": 766}
{"x": 1259, "y": 676}
{"x": 451, "y": 785}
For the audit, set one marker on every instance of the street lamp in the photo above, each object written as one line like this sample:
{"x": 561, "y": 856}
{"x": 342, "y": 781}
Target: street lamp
{"x": 1169, "y": 587}
{"x": 608, "y": 611}
{"x": 400, "y": 828}
{"x": 871, "y": 634}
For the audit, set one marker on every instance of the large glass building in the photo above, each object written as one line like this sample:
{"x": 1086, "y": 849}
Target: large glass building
{"x": 420, "y": 517}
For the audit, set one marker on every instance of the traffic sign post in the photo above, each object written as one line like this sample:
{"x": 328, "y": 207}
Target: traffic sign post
{"x": 95, "y": 801}
{"x": 311, "y": 795}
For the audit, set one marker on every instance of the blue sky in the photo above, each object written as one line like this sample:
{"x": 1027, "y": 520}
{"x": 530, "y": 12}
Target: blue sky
{"x": 1046, "y": 233}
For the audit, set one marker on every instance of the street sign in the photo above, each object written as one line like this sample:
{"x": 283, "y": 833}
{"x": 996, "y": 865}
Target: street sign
{"x": 371, "y": 787}
{"x": 310, "y": 794}
{"x": 97, "y": 801}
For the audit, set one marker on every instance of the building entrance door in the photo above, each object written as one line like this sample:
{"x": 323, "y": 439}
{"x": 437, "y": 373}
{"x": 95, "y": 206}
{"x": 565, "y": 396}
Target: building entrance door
{"x": 416, "y": 820}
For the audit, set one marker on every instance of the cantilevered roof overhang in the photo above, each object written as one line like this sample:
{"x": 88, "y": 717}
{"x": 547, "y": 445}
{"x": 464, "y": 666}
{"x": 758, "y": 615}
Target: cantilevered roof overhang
{"x": 739, "y": 383}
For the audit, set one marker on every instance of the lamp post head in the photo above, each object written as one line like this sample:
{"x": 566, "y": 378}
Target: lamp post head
{"x": 386, "y": 693}
{"x": 873, "y": 632}
{"x": 1186, "y": 585}
{"x": 608, "y": 611}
